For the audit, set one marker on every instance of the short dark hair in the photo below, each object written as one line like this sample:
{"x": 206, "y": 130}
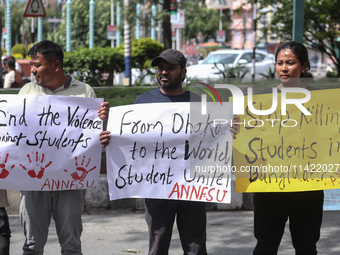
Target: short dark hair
{"x": 50, "y": 50}
{"x": 298, "y": 49}
{"x": 10, "y": 63}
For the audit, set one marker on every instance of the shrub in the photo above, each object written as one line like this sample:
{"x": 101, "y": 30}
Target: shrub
{"x": 91, "y": 63}
{"x": 19, "y": 49}
{"x": 143, "y": 51}
{"x": 17, "y": 56}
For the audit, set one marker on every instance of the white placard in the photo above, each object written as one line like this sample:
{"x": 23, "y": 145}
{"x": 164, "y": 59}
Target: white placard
{"x": 49, "y": 142}
{"x": 169, "y": 151}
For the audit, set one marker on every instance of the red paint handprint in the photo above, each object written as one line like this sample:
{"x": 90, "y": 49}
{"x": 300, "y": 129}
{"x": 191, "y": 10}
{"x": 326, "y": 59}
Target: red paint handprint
{"x": 39, "y": 163}
{"x": 81, "y": 168}
{"x": 3, "y": 171}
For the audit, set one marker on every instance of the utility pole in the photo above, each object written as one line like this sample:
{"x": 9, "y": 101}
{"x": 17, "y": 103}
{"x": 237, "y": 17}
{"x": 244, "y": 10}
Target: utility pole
{"x": 127, "y": 46}
{"x": 118, "y": 24}
{"x": 254, "y": 46}
{"x": 40, "y": 29}
{"x": 91, "y": 32}
{"x": 112, "y": 21}
{"x": 137, "y": 21}
{"x": 68, "y": 25}
{"x": 153, "y": 25}
{"x": 298, "y": 20}
{"x": 9, "y": 26}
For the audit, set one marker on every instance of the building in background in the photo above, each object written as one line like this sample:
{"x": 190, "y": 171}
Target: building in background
{"x": 242, "y": 28}
{"x": 265, "y": 40}
{"x": 242, "y": 25}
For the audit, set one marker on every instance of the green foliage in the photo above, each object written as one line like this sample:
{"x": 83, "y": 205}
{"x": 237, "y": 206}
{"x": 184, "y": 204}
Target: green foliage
{"x": 18, "y": 56}
{"x": 90, "y": 64}
{"x": 270, "y": 73}
{"x": 19, "y": 49}
{"x": 25, "y": 31}
{"x": 21, "y": 26}
{"x": 143, "y": 51}
{"x": 121, "y": 95}
{"x": 200, "y": 19}
{"x": 16, "y": 18}
{"x": 332, "y": 74}
{"x": 102, "y": 17}
{"x": 80, "y": 25}
{"x": 237, "y": 72}
{"x": 321, "y": 24}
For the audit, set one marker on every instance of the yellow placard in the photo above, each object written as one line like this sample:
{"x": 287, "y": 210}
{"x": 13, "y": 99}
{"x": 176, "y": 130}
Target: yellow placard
{"x": 291, "y": 152}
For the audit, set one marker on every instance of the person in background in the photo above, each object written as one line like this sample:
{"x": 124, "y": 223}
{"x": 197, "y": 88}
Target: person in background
{"x": 12, "y": 79}
{"x": 5, "y": 232}
{"x": 3, "y": 66}
{"x": 303, "y": 209}
{"x": 66, "y": 206}
{"x": 17, "y": 65}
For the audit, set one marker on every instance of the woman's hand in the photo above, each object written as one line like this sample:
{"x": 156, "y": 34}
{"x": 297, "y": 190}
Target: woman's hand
{"x": 234, "y": 127}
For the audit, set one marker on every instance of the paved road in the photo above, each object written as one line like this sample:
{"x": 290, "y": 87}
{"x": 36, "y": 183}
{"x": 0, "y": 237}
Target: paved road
{"x": 229, "y": 233}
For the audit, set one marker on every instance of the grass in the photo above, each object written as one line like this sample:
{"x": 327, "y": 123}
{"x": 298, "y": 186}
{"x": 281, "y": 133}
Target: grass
{"x": 114, "y": 95}
{"x": 8, "y": 91}
{"x": 121, "y": 95}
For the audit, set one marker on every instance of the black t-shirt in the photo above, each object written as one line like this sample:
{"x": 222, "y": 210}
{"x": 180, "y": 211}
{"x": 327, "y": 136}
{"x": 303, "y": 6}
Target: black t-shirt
{"x": 156, "y": 96}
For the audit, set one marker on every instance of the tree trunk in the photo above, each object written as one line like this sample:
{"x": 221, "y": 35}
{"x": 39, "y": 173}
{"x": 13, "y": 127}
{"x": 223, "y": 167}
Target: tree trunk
{"x": 167, "y": 26}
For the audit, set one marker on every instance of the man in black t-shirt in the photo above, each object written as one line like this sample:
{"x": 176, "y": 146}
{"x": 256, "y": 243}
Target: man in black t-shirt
{"x": 161, "y": 213}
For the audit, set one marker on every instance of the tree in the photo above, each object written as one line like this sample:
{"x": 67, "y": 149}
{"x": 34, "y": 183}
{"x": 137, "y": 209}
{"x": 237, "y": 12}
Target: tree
{"x": 143, "y": 51}
{"x": 17, "y": 18}
{"x": 80, "y": 25}
{"x": 166, "y": 24}
{"x": 25, "y": 31}
{"x": 321, "y": 24}
{"x": 21, "y": 26}
{"x": 200, "y": 19}
{"x": 164, "y": 16}
{"x": 92, "y": 63}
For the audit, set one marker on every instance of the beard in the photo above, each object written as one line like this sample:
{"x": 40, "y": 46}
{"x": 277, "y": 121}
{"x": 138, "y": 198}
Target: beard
{"x": 173, "y": 84}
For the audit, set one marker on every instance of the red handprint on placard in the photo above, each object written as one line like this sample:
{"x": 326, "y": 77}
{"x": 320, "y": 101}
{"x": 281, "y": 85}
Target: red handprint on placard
{"x": 81, "y": 168}
{"x": 39, "y": 163}
{"x": 3, "y": 171}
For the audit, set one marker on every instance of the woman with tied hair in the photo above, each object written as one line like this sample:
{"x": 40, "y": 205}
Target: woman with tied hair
{"x": 303, "y": 209}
